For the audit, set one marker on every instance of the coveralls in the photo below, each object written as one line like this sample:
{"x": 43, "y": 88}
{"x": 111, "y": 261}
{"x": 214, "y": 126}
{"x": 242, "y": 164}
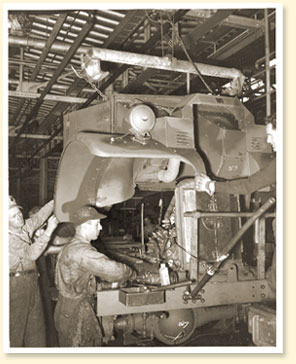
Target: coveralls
{"x": 26, "y": 320}
{"x": 77, "y": 265}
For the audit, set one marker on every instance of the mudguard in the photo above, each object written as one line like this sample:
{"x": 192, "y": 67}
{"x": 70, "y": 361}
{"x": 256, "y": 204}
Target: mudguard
{"x": 101, "y": 169}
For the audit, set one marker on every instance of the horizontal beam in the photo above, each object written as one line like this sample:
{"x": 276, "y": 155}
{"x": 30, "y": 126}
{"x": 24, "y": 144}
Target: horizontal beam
{"x": 33, "y": 170}
{"x": 35, "y": 136}
{"x": 55, "y": 86}
{"x": 21, "y": 156}
{"x": 243, "y": 22}
{"x": 48, "y": 97}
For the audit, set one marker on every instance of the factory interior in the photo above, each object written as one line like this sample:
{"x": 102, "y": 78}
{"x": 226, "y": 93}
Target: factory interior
{"x": 123, "y": 111}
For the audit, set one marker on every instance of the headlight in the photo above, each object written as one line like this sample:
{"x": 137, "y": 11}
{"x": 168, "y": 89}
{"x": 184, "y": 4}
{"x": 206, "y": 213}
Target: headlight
{"x": 142, "y": 118}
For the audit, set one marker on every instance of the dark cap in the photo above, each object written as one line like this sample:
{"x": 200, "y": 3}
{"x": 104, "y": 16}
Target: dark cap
{"x": 12, "y": 203}
{"x": 85, "y": 213}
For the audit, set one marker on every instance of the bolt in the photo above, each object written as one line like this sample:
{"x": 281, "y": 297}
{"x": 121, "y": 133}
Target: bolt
{"x": 202, "y": 300}
{"x": 202, "y": 291}
{"x": 262, "y": 286}
{"x": 262, "y": 295}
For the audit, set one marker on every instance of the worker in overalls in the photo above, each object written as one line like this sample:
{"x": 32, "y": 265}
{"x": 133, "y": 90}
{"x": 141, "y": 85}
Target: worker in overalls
{"x": 26, "y": 321}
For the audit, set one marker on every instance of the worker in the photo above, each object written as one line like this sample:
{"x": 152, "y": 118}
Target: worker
{"x": 26, "y": 321}
{"x": 77, "y": 265}
{"x": 263, "y": 178}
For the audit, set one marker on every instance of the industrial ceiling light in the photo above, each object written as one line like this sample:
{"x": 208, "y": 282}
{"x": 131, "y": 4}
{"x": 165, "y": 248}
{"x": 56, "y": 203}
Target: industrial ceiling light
{"x": 91, "y": 67}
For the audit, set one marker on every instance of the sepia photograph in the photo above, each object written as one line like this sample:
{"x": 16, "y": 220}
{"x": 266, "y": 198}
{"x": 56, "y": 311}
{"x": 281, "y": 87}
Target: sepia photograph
{"x": 143, "y": 178}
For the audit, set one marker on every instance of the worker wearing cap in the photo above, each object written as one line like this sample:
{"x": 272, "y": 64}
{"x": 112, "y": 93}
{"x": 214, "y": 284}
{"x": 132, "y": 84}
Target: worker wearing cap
{"x": 26, "y": 320}
{"x": 77, "y": 265}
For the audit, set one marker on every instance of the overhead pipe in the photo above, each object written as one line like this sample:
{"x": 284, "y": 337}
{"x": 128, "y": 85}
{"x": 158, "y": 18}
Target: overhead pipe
{"x": 143, "y": 60}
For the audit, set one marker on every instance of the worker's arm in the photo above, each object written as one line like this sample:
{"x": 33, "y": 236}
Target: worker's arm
{"x": 262, "y": 178}
{"x": 22, "y": 249}
{"x": 101, "y": 266}
{"x": 38, "y": 219}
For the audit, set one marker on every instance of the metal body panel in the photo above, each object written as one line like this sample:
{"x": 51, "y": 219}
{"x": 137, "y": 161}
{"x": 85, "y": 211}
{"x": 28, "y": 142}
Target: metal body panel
{"x": 215, "y": 294}
{"x": 174, "y": 132}
{"x": 101, "y": 170}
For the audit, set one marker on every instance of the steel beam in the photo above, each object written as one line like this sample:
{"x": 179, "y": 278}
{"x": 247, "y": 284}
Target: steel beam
{"x": 48, "y": 97}
{"x": 121, "y": 26}
{"x": 200, "y": 30}
{"x": 20, "y": 156}
{"x": 34, "y": 136}
{"x": 236, "y": 21}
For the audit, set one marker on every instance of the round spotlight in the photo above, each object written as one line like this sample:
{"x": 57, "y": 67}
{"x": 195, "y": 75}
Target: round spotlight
{"x": 142, "y": 118}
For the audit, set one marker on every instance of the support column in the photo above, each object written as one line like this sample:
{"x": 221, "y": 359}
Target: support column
{"x": 43, "y": 185}
{"x": 18, "y": 190}
{"x": 267, "y": 65}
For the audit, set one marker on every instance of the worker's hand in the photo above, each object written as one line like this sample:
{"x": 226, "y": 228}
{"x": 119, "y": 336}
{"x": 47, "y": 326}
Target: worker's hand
{"x": 204, "y": 184}
{"x": 133, "y": 276}
{"x": 52, "y": 223}
{"x": 52, "y": 249}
